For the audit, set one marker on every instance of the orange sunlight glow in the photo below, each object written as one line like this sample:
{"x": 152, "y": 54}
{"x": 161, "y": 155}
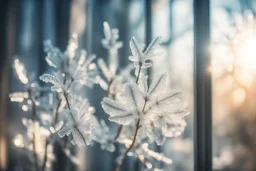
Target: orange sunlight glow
{"x": 237, "y": 58}
{"x": 247, "y": 54}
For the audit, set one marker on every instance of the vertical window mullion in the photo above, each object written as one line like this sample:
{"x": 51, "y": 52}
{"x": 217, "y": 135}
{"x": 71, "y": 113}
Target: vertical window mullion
{"x": 202, "y": 88}
{"x": 148, "y": 21}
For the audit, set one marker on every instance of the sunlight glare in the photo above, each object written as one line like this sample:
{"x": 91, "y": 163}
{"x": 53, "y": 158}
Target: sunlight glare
{"x": 247, "y": 55}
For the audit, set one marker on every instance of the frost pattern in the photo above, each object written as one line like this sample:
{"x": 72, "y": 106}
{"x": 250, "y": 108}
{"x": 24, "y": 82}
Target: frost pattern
{"x": 54, "y": 80}
{"x": 160, "y": 113}
{"x": 77, "y": 122}
{"x": 141, "y": 58}
{"x": 144, "y": 112}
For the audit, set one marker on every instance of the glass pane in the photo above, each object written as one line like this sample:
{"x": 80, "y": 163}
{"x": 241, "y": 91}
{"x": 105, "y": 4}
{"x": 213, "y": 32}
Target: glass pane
{"x": 177, "y": 43}
{"x": 233, "y": 69}
{"x": 47, "y": 123}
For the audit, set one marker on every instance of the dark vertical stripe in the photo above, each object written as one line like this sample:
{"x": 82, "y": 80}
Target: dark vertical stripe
{"x": 63, "y": 16}
{"x": 4, "y": 61}
{"x": 47, "y": 29}
{"x": 89, "y": 26}
{"x": 62, "y": 8}
{"x": 202, "y": 88}
{"x": 148, "y": 21}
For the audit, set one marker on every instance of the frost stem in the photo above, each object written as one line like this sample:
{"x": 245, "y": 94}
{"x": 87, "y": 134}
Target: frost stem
{"x": 126, "y": 152}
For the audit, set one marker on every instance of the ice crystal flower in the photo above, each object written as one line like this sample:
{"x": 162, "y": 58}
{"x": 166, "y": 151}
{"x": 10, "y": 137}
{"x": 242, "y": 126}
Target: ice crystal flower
{"x": 145, "y": 112}
{"x": 73, "y": 64}
{"x": 58, "y": 86}
{"x": 156, "y": 109}
{"x": 141, "y": 58}
{"x": 124, "y": 112}
{"x": 77, "y": 121}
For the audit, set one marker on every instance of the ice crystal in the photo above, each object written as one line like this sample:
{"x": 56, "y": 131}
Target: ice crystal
{"x": 57, "y": 84}
{"x": 124, "y": 112}
{"x": 145, "y": 112}
{"x": 74, "y": 64}
{"x": 141, "y": 58}
{"x": 114, "y": 78}
{"x": 77, "y": 122}
{"x": 157, "y": 110}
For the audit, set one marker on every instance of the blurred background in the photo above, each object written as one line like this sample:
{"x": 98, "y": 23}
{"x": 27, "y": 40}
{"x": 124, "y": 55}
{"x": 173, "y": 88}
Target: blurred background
{"x": 25, "y": 24}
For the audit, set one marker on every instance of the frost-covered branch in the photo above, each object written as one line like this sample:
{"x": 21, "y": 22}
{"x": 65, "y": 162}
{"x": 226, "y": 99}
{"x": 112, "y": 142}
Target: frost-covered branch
{"x": 149, "y": 107}
{"x": 144, "y": 112}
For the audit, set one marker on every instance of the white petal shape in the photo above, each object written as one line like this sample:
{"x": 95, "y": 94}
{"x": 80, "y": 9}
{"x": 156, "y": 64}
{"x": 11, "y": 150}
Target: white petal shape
{"x": 136, "y": 97}
{"x": 57, "y": 85}
{"x": 151, "y": 48}
{"x": 158, "y": 85}
{"x": 123, "y": 119}
{"x": 112, "y": 107}
{"x": 136, "y": 49}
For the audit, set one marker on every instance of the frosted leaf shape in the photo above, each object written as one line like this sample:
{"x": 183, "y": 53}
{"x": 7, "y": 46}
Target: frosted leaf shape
{"x": 79, "y": 126}
{"x": 135, "y": 96}
{"x": 163, "y": 110}
{"x": 112, "y": 107}
{"x": 77, "y": 121}
{"x": 124, "y": 118}
{"x": 143, "y": 85}
{"x": 169, "y": 101}
{"x": 140, "y": 57}
{"x": 127, "y": 109}
{"x": 136, "y": 50}
{"x": 118, "y": 113}
{"x": 150, "y": 51}
{"x": 57, "y": 85}
{"x": 158, "y": 85}
{"x": 176, "y": 114}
